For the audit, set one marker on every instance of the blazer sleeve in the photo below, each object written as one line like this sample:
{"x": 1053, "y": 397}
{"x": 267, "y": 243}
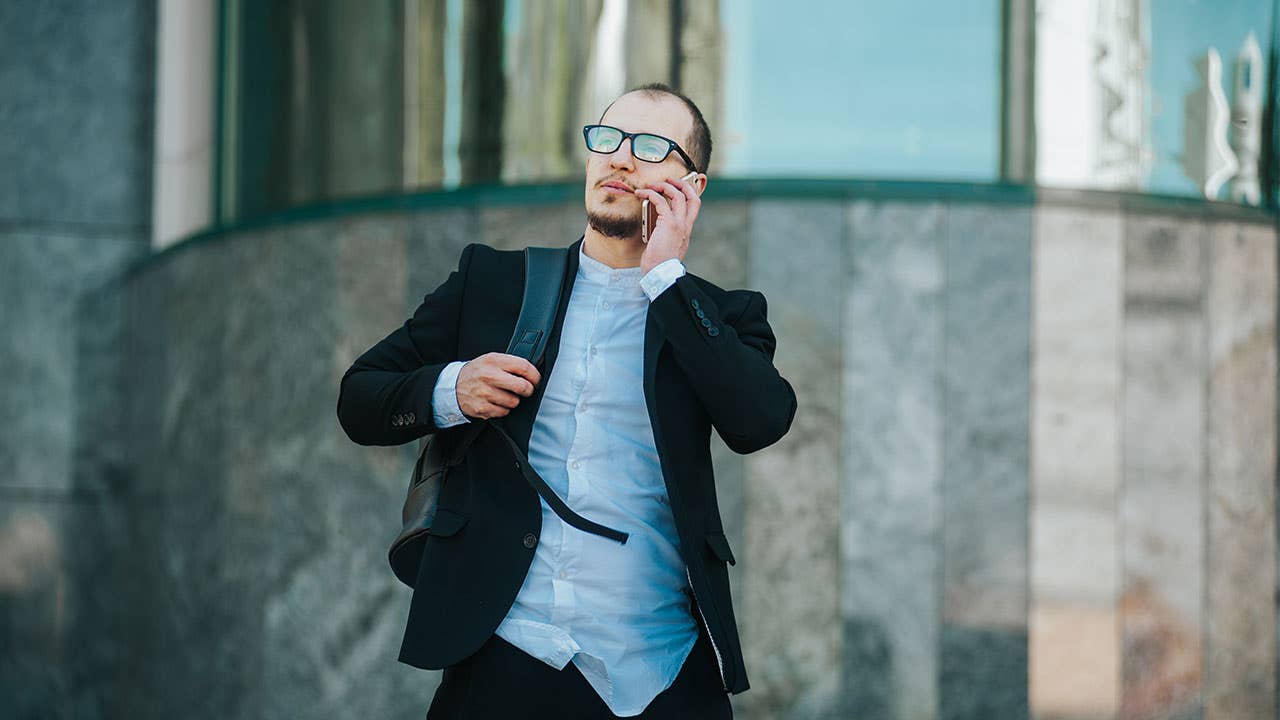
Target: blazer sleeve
{"x": 729, "y": 364}
{"x": 385, "y": 397}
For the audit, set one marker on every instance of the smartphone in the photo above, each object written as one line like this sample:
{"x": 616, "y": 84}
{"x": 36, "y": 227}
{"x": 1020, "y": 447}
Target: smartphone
{"x": 649, "y": 216}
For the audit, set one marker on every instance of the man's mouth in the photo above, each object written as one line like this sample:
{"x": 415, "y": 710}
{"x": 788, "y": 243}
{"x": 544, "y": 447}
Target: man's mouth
{"x": 618, "y": 187}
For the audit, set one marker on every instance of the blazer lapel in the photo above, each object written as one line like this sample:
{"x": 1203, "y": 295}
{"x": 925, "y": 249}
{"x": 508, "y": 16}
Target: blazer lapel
{"x": 654, "y": 337}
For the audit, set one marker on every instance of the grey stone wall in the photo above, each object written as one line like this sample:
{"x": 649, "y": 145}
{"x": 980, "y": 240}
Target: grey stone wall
{"x": 1032, "y": 473}
{"x": 1033, "y": 463}
{"x": 76, "y": 119}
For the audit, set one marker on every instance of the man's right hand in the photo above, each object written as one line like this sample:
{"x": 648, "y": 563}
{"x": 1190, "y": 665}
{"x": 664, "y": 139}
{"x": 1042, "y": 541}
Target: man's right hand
{"x": 491, "y": 385}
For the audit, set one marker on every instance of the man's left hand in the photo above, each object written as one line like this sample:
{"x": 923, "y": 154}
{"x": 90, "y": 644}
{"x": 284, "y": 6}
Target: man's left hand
{"x": 677, "y": 203}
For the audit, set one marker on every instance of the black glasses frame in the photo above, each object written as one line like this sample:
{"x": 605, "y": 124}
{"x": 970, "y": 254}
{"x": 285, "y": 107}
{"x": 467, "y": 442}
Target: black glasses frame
{"x": 671, "y": 145}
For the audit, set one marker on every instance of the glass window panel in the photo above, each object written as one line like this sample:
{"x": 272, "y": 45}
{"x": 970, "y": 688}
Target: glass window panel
{"x": 319, "y": 106}
{"x": 1181, "y": 32}
{"x": 329, "y": 99}
{"x": 1128, "y": 99}
{"x": 861, "y": 89}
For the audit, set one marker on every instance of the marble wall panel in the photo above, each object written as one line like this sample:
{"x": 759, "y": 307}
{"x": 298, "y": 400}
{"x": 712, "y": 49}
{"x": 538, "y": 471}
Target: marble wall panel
{"x": 790, "y": 605}
{"x": 917, "y": 562}
{"x": 33, "y": 608}
{"x": 199, "y": 571}
{"x": 176, "y": 319}
{"x": 411, "y": 262}
{"x": 77, "y": 608}
{"x": 891, "y": 460}
{"x": 436, "y": 240}
{"x": 78, "y": 81}
{"x": 1240, "y": 652}
{"x": 517, "y": 226}
{"x": 719, "y": 252}
{"x": 1073, "y": 640}
{"x": 718, "y": 249}
{"x": 287, "y": 545}
{"x": 68, "y": 612}
{"x": 44, "y": 274}
{"x": 1162, "y": 536}
{"x": 986, "y": 398}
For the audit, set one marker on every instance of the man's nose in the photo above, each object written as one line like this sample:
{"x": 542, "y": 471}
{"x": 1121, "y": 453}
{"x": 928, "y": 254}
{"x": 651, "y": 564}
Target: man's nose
{"x": 622, "y": 157}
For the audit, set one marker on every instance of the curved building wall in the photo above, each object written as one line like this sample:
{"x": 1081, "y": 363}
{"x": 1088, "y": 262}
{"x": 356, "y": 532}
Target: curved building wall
{"x": 1033, "y": 471}
{"x": 1031, "y": 475}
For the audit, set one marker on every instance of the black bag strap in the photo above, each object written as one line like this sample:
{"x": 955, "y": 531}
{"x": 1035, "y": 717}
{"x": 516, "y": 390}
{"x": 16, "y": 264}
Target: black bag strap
{"x": 544, "y": 270}
{"x": 544, "y": 278}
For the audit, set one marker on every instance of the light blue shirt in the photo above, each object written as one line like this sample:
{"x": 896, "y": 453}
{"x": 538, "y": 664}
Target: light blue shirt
{"x": 619, "y": 612}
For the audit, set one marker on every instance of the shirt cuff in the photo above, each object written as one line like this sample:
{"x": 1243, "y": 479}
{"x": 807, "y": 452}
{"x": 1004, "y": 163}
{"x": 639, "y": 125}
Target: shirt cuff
{"x": 444, "y": 400}
{"x": 662, "y": 276}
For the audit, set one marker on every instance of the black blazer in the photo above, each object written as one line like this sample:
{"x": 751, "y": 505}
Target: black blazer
{"x": 708, "y": 362}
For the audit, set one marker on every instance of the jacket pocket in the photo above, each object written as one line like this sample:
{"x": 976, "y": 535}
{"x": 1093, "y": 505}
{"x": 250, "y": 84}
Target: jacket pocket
{"x": 446, "y": 523}
{"x": 719, "y": 545}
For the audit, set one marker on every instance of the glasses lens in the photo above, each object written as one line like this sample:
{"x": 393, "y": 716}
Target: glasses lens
{"x": 601, "y": 138}
{"x": 650, "y": 147}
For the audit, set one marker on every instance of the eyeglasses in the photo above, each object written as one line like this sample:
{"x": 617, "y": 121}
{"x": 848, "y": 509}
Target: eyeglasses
{"x": 644, "y": 146}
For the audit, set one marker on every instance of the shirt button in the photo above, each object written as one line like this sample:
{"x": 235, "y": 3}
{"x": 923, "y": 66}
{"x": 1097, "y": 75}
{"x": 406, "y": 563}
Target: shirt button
{"x": 530, "y": 540}
{"x": 593, "y": 349}
{"x": 607, "y": 305}
{"x": 575, "y": 465}
{"x": 563, "y": 574}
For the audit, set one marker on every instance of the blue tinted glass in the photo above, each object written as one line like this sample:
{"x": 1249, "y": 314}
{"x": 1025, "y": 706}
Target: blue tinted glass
{"x": 1122, "y": 101}
{"x": 1180, "y": 34}
{"x": 873, "y": 89}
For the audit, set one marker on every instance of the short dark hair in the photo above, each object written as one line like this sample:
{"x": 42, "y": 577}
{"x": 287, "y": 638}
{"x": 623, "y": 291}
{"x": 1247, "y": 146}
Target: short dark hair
{"x": 699, "y": 142}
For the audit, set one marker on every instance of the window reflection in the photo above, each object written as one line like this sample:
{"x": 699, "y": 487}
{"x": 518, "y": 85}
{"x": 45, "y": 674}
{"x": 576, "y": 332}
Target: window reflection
{"x": 313, "y": 102}
{"x": 1140, "y": 96}
{"x": 324, "y": 100}
{"x": 862, "y": 89}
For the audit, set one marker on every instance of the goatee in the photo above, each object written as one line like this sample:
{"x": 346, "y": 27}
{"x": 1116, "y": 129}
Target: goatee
{"x": 610, "y": 226}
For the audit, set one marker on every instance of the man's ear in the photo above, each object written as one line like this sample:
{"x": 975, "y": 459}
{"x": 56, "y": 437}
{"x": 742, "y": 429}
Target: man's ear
{"x": 703, "y": 187}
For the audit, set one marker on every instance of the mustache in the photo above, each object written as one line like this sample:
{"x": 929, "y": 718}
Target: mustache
{"x": 618, "y": 180}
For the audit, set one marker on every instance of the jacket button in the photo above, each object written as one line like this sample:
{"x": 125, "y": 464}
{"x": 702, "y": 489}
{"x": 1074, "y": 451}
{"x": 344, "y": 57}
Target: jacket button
{"x": 530, "y": 540}
{"x": 706, "y": 323}
{"x": 413, "y": 418}
{"x": 700, "y": 313}
{"x": 713, "y": 331}
{"x": 695, "y": 303}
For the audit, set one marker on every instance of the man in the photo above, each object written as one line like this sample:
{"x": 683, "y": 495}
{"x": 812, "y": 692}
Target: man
{"x": 530, "y": 616}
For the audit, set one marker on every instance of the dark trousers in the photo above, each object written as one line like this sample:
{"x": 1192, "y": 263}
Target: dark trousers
{"x": 502, "y": 681}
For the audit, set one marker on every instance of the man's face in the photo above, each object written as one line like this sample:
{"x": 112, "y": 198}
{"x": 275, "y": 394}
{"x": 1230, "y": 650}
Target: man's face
{"x": 611, "y": 207}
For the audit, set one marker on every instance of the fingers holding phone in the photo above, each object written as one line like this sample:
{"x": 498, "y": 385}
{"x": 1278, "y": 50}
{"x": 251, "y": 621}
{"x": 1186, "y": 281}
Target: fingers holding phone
{"x": 649, "y": 211}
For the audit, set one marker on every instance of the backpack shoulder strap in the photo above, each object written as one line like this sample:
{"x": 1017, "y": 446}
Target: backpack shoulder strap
{"x": 544, "y": 270}
{"x": 543, "y": 279}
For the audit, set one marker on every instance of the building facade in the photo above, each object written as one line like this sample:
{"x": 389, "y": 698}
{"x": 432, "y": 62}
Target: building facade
{"x": 1021, "y": 260}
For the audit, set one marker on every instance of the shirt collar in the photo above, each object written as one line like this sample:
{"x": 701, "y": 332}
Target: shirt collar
{"x": 597, "y": 272}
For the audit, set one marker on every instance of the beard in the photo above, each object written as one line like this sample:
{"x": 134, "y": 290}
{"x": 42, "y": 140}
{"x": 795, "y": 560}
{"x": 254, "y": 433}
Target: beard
{"x": 613, "y": 226}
